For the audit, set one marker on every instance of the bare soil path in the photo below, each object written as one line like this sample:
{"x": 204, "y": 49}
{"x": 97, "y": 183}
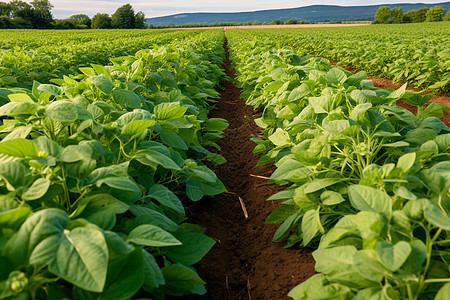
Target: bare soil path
{"x": 244, "y": 263}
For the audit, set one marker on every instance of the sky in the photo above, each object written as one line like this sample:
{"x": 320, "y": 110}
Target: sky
{"x": 157, "y": 8}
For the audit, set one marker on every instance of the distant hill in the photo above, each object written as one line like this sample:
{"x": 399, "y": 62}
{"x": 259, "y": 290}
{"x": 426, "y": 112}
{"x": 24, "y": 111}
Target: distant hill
{"x": 313, "y": 13}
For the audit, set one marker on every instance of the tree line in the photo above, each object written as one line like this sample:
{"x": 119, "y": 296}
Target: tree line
{"x": 386, "y": 15}
{"x": 18, "y": 14}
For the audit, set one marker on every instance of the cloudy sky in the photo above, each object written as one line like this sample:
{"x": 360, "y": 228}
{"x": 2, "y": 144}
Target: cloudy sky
{"x": 157, "y": 8}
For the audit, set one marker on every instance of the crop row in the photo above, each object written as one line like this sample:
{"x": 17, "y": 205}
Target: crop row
{"x": 415, "y": 53}
{"x": 367, "y": 181}
{"x": 95, "y": 169}
{"x": 28, "y": 55}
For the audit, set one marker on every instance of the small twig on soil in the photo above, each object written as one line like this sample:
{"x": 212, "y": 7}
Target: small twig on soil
{"x": 244, "y": 209}
{"x": 258, "y": 176}
{"x": 248, "y": 289}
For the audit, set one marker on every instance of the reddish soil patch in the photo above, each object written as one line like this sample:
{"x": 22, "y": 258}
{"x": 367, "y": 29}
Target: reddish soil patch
{"x": 244, "y": 263}
{"x": 277, "y": 26}
{"x": 387, "y": 83}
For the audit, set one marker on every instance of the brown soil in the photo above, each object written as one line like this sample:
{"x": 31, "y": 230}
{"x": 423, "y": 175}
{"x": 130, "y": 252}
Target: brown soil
{"x": 244, "y": 263}
{"x": 387, "y": 83}
{"x": 277, "y": 26}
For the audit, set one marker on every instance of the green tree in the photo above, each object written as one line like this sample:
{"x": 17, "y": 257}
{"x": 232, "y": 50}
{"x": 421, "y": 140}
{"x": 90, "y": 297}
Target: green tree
{"x": 123, "y": 17}
{"x": 382, "y": 15}
{"x": 139, "y": 20}
{"x": 21, "y": 9}
{"x": 81, "y": 20}
{"x": 276, "y": 22}
{"x": 5, "y": 9}
{"x": 435, "y": 14}
{"x": 42, "y": 16}
{"x": 421, "y": 15}
{"x": 409, "y": 16}
{"x": 101, "y": 21}
{"x": 397, "y": 15}
{"x": 447, "y": 16}
{"x": 291, "y": 21}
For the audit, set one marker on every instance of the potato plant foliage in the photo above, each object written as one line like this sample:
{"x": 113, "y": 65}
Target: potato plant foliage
{"x": 367, "y": 181}
{"x": 95, "y": 168}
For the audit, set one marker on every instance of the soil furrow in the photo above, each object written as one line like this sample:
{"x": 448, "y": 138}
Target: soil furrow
{"x": 244, "y": 263}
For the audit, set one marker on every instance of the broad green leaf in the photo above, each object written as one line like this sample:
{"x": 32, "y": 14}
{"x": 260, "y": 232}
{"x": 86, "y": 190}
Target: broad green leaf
{"x": 397, "y": 94}
{"x": 291, "y": 170}
{"x": 169, "y": 112}
{"x": 216, "y": 124}
{"x": 74, "y": 153}
{"x": 150, "y": 157}
{"x": 336, "y": 76}
{"x": 319, "y": 286}
{"x": 119, "y": 183}
{"x": 194, "y": 247}
{"x": 82, "y": 258}
{"x": 368, "y": 266}
{"x": 287, "y": 225}
{"x": 443, "y": 292}
{"x": 153, "y": 276}
{"x": 393, "y": 256}
{"x": 153, "y": 236}
{"x": 36, "y": 238}
{"x": 331, "y": 198}
{"x": 146, "y": 215}
{"x": 21, "y": 97}
{"x": 334, "y": 259}
{"x": 12, "y": 215}
{"x": 311, "y": 225}
{"x": 180, "y": 279}
{"x": 173, "y": 140}
{"x": 19, "y": 148}
{"x": 436, "y": 217}
{"x": 127, "y": 99}
{"x": 406, "y": 161}
{"x": 18, "y": 108}
{"x": 318, "y": 184}
{"x": 102, "y": 209}
{"x": 166, "y": 198}
{"x": 135, "y": 128}
{"x": 62, "y": 111}
{"x": 102, "y": 83}
{"x": 367, "y": 198}
{"x": 37, "y": 189}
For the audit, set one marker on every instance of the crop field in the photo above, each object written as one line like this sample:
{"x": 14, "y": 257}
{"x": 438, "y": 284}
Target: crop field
{"x": 203, "y": 164}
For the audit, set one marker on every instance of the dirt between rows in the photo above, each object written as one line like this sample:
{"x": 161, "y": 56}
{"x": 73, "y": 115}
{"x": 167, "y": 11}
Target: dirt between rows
{"x": 244, "y": 263}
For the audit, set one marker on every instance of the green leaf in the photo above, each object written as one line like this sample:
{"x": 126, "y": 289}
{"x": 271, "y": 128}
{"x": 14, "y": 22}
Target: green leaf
{"x": 166, "y": 198}
{"x": 443, "y": 292}
{"x": 334, "y": 259}
{"x": 318, "y": 184}
{"x": 153, "y": 276}
{"x": 126, "y": 98}
{"x": 62, "y": 111}
{"x": 216, "y": 124}
{"x": 393, "y": 256}
{"x": 194, "y": 247}
{"x": 102, "y": 209}
{"x": 119, "y": 183}
{"x": 151, "y": 158}
{"x": 19, "y": 148}
{"x": 82, "y": 258}
{"x": 21, "y": 97}
{"x": 180, "y": 279}
{"x": 331, "y": 198}
{"x": 336, "y": 76}
{"x": 102, "y": 83}
{"x": 153, "y": 236}
{"x": 368, "y": 266}
{"x": 273, "y": 86}
{"x": 18, "y": 108}
{"x": 135, "y": 128}
{"x": 173, "y": 140}
{"x": 436, "y": 217}
{"x": 397, "y": 94}
{"x": 169, "y": 112}
{"x": 406, "y": 161}
{"x": 12, "y": 215}
{"x": 287, "y": 225}
{"x": 367, "y": 198}
{"x": 37, "y": 189}
{"x": 311, "y": 225}
{"x": 74, "y": 153}
{"x": 291, "y": 170}
{"x": 37, "y": 238}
